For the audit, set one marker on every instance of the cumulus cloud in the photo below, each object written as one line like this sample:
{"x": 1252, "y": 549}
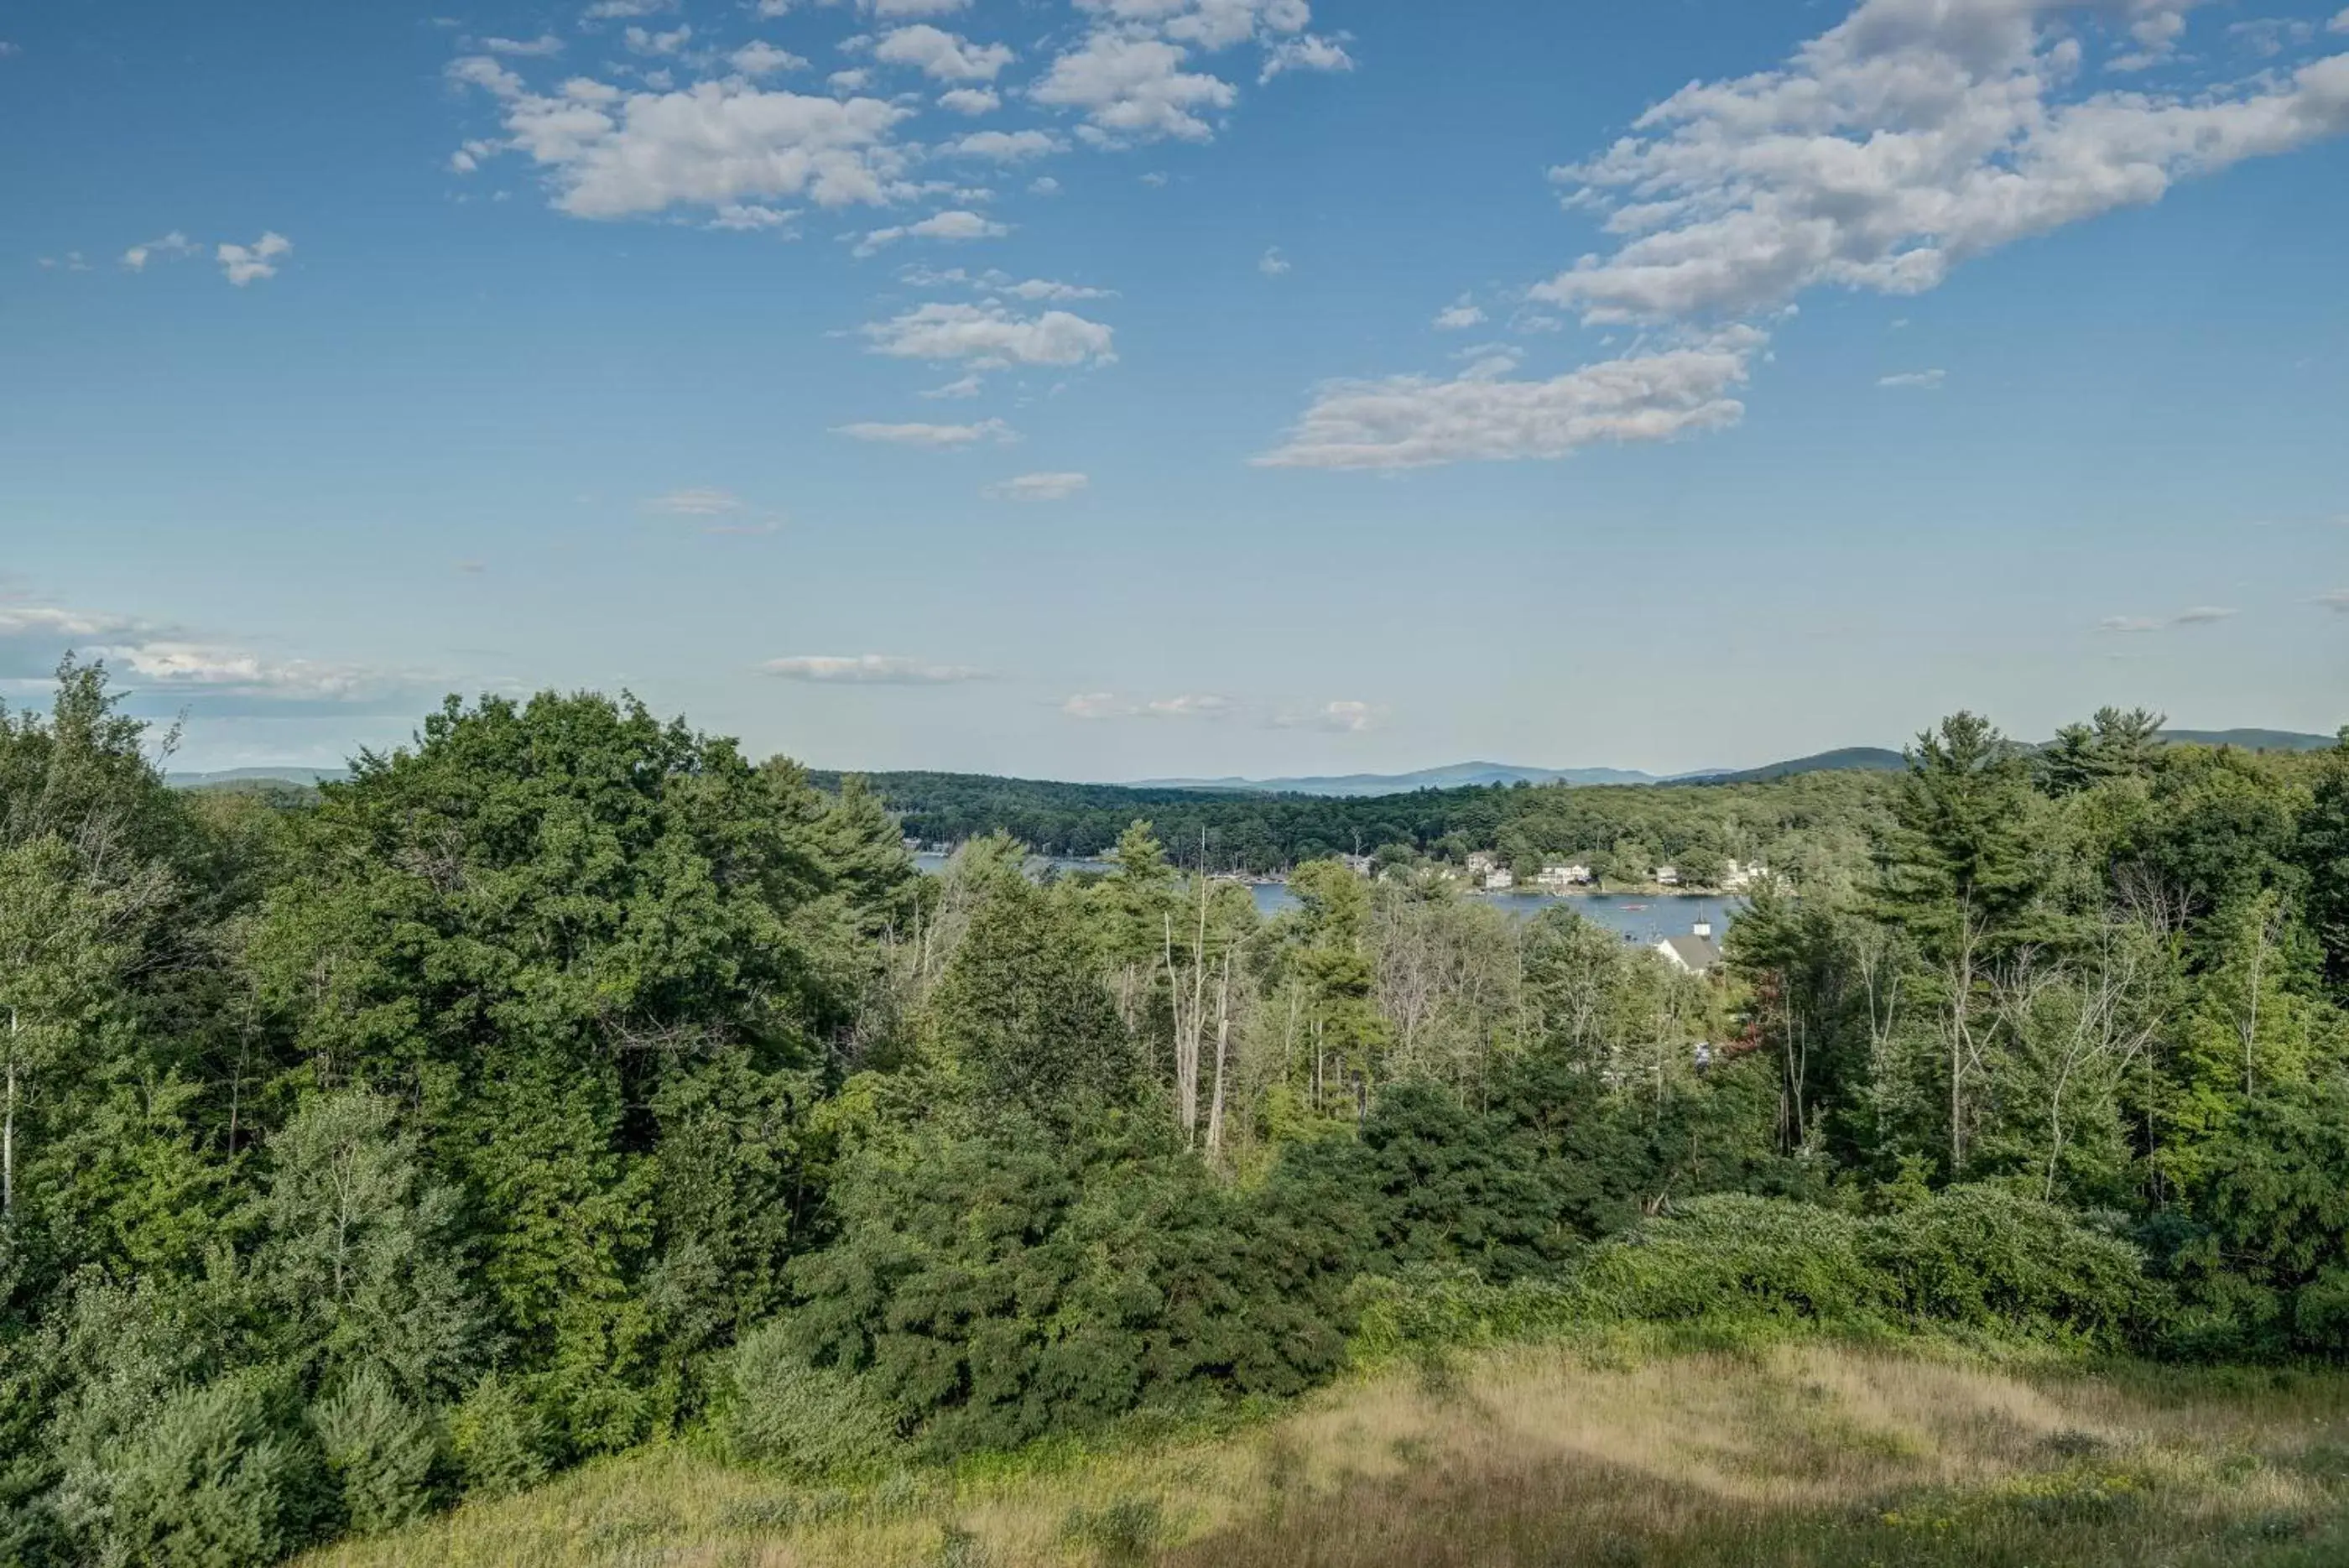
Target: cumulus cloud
{"x": 1907, "y": 139}
{"x": 995, "y": 280}
{"x": 1310, "y": 52}
{"x": 936, "y": 438}
{"x": 1005, "y": 146}
{"x": 545, "y": 44}
{"x": 1272, "y": 263}
{"x": 991, "y": 336}
{"x": 1133, "y": 86}
{"x": 174, "y": 244}
{"x": 241, "y": 264}
{"x": 1412, "y": 421}
{"x": 613, "y": 154}
{"x": 956, "y": 226}
{"x": 869, "y": 669}
{"x": 1914, "y": 381}
{"x": 1037, "y": 487}
{"x": 32, "y": 637}
{"x": 940, "y": 55}
{"x": 643, "y": 41}
{"x": 1459, "y": 316}
{"x": 970, "y": 100}
{"x": 760, "y": 58}
{"x": 751, "y": 216}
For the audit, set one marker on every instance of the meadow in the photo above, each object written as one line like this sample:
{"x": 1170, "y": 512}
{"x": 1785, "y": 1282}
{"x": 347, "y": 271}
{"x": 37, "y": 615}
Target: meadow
{"x": 1618, "y": 1449}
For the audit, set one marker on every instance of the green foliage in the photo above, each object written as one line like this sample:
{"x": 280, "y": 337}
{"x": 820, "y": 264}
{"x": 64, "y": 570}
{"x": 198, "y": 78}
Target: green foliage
{"x": 498, "y": 1439}
{"x": 379, "y": 1451}
{"x": 806, "y": 1422}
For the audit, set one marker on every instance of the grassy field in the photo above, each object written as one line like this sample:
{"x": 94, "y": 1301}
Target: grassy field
{"x": 1798, "y": 1454}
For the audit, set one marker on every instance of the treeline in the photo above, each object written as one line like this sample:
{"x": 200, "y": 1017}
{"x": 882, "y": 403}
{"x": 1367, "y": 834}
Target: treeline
{"x": 1813, "y": 825}
{"x": 566, "y": 1080}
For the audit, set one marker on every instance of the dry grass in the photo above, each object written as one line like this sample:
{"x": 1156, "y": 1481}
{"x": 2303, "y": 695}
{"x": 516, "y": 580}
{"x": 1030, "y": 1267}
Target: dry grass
{"x": 1800, "y": 1454}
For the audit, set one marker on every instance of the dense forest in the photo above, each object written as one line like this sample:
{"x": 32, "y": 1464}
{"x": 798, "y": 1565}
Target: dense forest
{"x": 1816, "y": 825}
{"x": 567, "y": 1080}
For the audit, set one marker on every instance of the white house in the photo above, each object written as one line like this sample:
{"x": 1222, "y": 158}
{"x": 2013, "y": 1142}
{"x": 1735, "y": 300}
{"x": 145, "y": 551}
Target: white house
{"x": 1696, "y": 953}
{"x": 1739, "y": 877}
{"x": 1480, "y": 861}
{"x": 1560, "y": 878}
{"x": 1667, "y": 876}
{"x": 1500, "y": 879}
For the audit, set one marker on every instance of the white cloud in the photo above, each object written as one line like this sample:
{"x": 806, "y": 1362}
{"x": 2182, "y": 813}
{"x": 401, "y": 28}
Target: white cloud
{"x": 1410, "y": 422}
{"x": 1005, "y": 146}
{"x": 992, "y": 336}
{"x": 956, "y": 226}
{"x": 1907, "y": 139}
{"x": 612, "y": 154}
{"x": 1914, "y": 381}
{"x": 1309, "y": 53}
{"x": 2339, "y": 24}
{"x": 2336, "y": 598}
{"x": 1097, "y": 705}
{"x": 1345, "y": 717}
{"x": 241, "y": 264}
{"x": 760, "y": 58}
{"x": 940, "y": 55}
{"x": 700, "y": 502}
{"x": 962, "y": 387}
{"x": 870, "y": 670}
{"x": 970, "y": 100}
{"x": 611, "y": 10}
{"x": 936, "y": 438}
{"x": 9, "y": 50}
{"x": 642, "y": 41}
{"x": 912, "y": 7}
{"x": 170, "y": 657}
{"x": 1043, "y": 185}
{"x": 1197, "y": 705}
{"x": 174, "y": 244}
{"x": 1272, "y": 263}
{"x": 994, "y": 281}
{"x": 849, "y": 81}
{"x": 545, "y": 44}
{"x": 1037, "y": 487}
{"x": 1135, "y": 87}
{"x": 2138, "y": 624}
{"x": 1459, "y": 316}
{"x": 750, "y": 216}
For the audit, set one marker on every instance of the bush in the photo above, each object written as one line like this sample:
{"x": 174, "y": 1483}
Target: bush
{"x": 809, "y": 1422}
{"x": 499, "y": 1440}
{"x": 1985, "y": 1258}
{"x": 1736, "y": 1256}
{"x": 213, "y": 1481}
{"x": 379, "y": 1452}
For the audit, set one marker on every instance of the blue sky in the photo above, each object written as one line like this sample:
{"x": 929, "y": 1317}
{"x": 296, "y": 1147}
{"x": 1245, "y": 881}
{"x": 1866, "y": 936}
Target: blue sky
{"x": 1110, "y": 389}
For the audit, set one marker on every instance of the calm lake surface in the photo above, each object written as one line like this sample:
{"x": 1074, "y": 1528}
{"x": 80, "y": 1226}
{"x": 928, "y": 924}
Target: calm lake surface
{"x": 1639, "y": 916}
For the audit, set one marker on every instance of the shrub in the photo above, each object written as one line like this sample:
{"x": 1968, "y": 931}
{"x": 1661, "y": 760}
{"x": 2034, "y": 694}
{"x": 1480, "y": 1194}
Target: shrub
{"x": 499, "y": 1440}
{"x": 213, "y": 1481}
{"x": 808, "y": 1421}
{"x": 379, "y": 1451}
{"x": 1736, "y": 1256}
{"x": 1985, "y": 1258}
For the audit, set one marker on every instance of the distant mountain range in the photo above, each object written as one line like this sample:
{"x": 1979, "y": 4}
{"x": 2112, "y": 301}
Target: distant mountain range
{"x": 255, "y": 775}
{"x": 1461, "y": 776}
{"x": 1847, "y": 759}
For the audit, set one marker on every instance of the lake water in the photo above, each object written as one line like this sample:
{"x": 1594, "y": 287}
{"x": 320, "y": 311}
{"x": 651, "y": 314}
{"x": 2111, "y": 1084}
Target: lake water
{"x": 1639, "y": 916}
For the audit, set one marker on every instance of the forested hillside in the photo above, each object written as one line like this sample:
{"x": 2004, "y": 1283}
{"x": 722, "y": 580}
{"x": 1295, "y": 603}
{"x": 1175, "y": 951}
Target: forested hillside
{"x": 1816, "y": 825}
{"x": 567, "y": 1080}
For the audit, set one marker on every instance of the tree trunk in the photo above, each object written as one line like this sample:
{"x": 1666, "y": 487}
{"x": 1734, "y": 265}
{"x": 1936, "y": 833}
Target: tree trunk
{"x": 1223, "y": 1048}
{"x": 9, "y": 1129}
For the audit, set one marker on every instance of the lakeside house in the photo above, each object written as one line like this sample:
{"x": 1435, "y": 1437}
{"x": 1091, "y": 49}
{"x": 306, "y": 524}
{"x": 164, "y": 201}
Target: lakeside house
{"x": 1667, "y": 876}
{"x": 1697, "y": 954}
{"x": 1565, "y": 878}
{"x": 1739, "y": 877}
{"x": 1500, "y": 879}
